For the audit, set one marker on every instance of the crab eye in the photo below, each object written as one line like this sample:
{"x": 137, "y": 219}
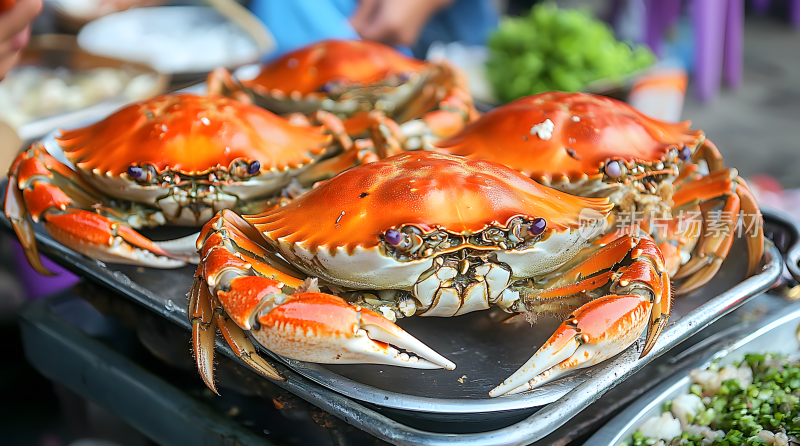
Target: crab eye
{"x": 686, "y": 153}
{"x": 137, "y": 173}
{"x": 613, "y": 169}
{"x": 243, "y": 169}
{"x": 393, "y": 237}
{"x": 333, "y": 87}
{"x": 538, "y": 226}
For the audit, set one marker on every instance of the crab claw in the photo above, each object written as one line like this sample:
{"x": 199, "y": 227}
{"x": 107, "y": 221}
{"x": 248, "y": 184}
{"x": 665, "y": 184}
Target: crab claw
{"x": 34, "y": 193}
{"x": 596, "y": 331}
{"x": 181, "y": 248}
{"x": 320, "y": 327}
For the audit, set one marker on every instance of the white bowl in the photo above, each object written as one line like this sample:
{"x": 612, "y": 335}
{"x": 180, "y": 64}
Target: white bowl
{"x": 171, "y": 39}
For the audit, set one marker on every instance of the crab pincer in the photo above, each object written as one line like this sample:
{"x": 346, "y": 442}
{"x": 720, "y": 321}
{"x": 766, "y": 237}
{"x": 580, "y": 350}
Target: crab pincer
{"x": 35, "y": 191}
{"x": 320, "y": 327}
{"x": 240, "y": 288}
{"x": 603, "y": 327}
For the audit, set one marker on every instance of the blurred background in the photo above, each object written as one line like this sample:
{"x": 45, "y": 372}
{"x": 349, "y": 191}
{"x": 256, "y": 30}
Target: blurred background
{"x": 730, "y": 66}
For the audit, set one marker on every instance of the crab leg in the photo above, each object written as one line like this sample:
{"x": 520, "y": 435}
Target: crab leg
{"x": 184, "y": 247}
{"x": 710, "y": 153}
{"x": 454, "y": 111}
{"x": 221, "y": 82}
{"x": 251, "y": 290}
{"x": 752, "y": 219}
{"x": 384, "y": 132}
{"x": 35, "y": 190}
{"x": 205, "y": 321}
{"x": 639, "y": 299}
{"x": 363, "y": 152}
{"x": 17, "y": 212}
{"x": 718, "y": 231}
{"x": 204, "y": 328}
{"x": 689, "y": 172}
{"x": 450, "y": 96}
{"x": 387, "y": 138}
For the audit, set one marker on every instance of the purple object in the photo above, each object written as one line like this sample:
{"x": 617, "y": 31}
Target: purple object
{"x": 393, "y": 237}
{"x": 732, "y": 63}
{"x": 660, "y": 15}
{"x": 760, "y": 7}
{"x": 137, "y": 173}
{"x": 537, "y": 226}
{"x": 613, "y": 169}
{"x": 254, "y": 167}
{"x": 794, "y": 13}
{"x": 708, "y": 22}
{"x": 718, "y": 26}
{"x": 37, "y": 285}
{"x": 686, "y": 153}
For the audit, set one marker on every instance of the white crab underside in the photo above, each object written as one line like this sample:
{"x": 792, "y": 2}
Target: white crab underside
{"x": 175, "y": 205}
{"x": 368, "y": 268}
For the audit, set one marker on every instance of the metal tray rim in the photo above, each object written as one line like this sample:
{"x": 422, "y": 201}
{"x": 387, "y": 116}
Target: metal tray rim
{"x": 616, "y": 430}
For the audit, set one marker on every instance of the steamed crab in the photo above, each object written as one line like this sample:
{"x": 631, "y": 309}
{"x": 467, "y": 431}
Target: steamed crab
{"x": 361, "y": 82}
{"x": 175, "y": 159}
{"x": 428, "y": 234}
{"x": 595, "y": 146}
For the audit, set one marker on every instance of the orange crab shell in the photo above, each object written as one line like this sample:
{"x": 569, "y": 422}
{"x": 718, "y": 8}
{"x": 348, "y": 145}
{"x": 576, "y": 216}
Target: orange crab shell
{"x": 191, "y": 135}
{"x": 587, "y": 131}
{"x": 353, "y": 61}
{"x": 428, "y": 190}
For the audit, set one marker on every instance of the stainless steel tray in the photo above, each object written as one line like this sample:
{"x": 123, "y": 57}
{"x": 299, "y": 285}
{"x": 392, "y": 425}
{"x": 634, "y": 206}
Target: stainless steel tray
{"x": 164, "y": 292}
{"x": 484, "y": 350}
{"x": 783, "y": 328}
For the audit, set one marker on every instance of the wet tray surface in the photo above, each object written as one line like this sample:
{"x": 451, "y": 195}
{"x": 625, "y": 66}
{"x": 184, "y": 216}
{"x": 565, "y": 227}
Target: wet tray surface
{"x": 485, "y": 351}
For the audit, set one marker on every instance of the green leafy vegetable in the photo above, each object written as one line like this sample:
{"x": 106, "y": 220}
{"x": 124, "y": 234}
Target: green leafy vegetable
{"x": 557, "y": 49}
{"x": 769, "y": 403}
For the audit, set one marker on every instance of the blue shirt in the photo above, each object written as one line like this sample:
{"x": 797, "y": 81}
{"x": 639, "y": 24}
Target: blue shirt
{"x": 297, "y": 23}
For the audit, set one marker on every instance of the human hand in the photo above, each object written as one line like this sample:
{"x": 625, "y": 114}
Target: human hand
{"x": 394, "y": 22}
{"x": 15, "y": 30}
